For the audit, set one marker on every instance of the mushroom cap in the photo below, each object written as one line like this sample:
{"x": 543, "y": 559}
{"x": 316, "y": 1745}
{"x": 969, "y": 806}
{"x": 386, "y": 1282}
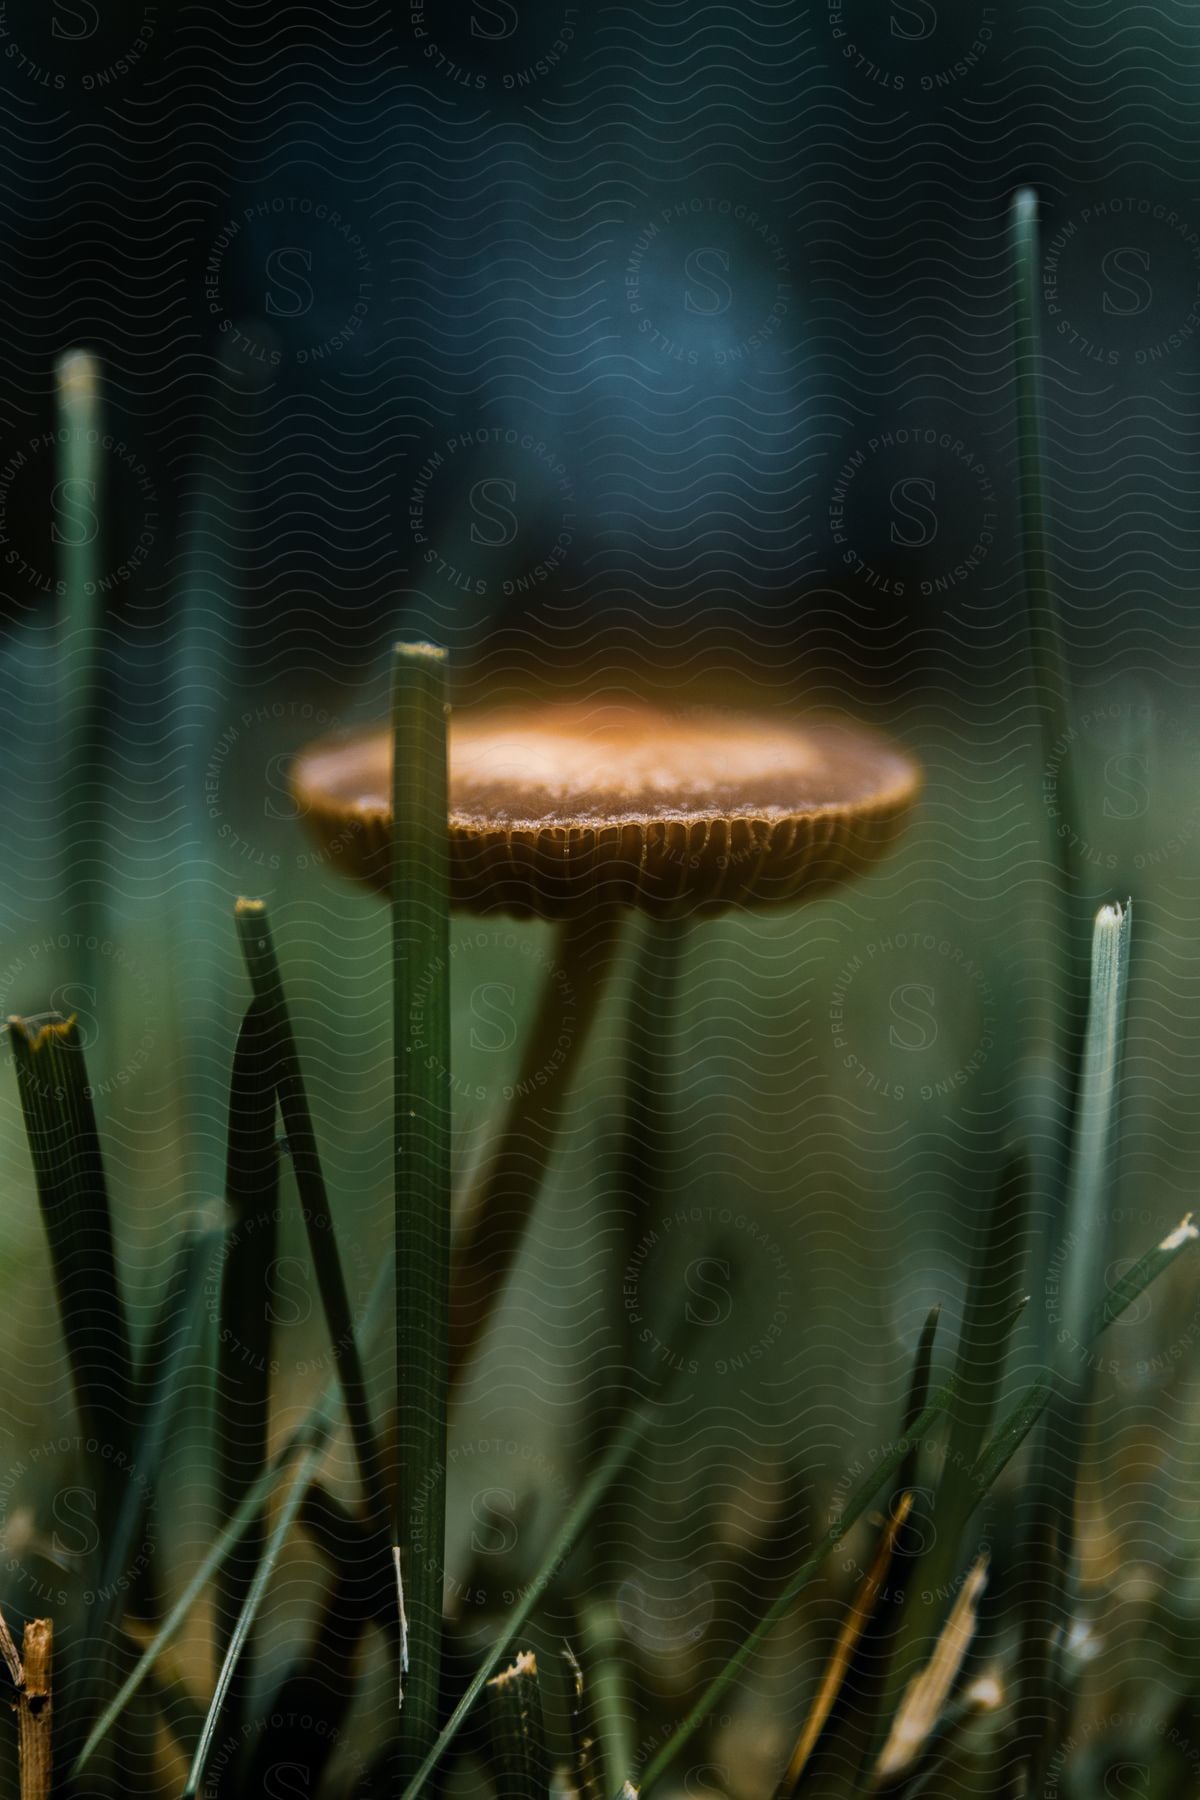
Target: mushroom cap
{"x": 554, "y": 810}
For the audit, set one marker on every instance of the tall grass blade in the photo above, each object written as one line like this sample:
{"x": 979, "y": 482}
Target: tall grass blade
{"x": 305, "y": 1471}
{"x": 1052, "y": 693}
{"x": 421, "y": 989}
{"x": 244, "y": 1337}
{"x": 619, "y": 1453}
{"x": 1045, "y": 633}
{"x": 1080, "y": 1263}
{"x": 68, "y": 1166}
{"x": 517, "y": 1732}
{"x": 262, "y": 965}
{"x": 83, "y": 800}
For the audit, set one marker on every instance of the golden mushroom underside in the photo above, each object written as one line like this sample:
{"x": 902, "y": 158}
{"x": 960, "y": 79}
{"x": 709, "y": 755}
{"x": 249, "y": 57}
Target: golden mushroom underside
{"x": 671, "y": 817}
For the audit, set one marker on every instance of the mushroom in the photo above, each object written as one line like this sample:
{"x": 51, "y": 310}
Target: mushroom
{"x": 584, "y": 814}
{"x": 677, "y": 815}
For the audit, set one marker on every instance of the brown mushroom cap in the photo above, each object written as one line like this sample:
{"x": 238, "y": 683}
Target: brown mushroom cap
{"x": 554, "y": 810}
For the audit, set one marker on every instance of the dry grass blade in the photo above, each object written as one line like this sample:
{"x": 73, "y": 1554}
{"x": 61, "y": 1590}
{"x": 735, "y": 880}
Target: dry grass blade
{"x": 926, "y": 1698}
{"x": 843, "y": 1651}
{"x": 31, "y": 1672}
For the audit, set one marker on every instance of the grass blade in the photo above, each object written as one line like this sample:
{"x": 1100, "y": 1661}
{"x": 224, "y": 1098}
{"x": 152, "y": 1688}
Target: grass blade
{"x": 585, "y": 1775}
{"x": 68, "y": 1169}
{"x": 307, "y": 1468}
{"x": 1082, "y": 1258}
{"x": 517, "y": 1732}
{"x": 421, "y": 988}
{"x": 262, "y": 965}
{"x": 1087, "y": 1233}
{"x": 244, "y": 1338}
{"x": 994, "y": 1303}
{"x": 1133, "y": 1284}
{"x": 83, "y": 800}
{"x": 619, "y": 1453}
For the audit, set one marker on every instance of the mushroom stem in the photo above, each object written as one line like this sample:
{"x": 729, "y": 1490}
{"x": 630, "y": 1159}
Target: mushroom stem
{"x": 501, "y": 1204}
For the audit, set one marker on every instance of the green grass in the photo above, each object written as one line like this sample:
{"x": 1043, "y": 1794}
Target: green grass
{"x": 421, "y": 1140}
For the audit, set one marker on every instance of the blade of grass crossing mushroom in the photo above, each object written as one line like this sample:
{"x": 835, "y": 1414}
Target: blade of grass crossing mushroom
{"x": 81, "y": 778}
{"x": 262, "y": 965}
{"x": 305, "y": 1471}
{"x": 244, "y": 1339}
{"x": 517, "y": 1731}
{"x": 421, "y": 1013}
{"x": 626, "y": 1441}
{"x": 68, "y": 1169}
